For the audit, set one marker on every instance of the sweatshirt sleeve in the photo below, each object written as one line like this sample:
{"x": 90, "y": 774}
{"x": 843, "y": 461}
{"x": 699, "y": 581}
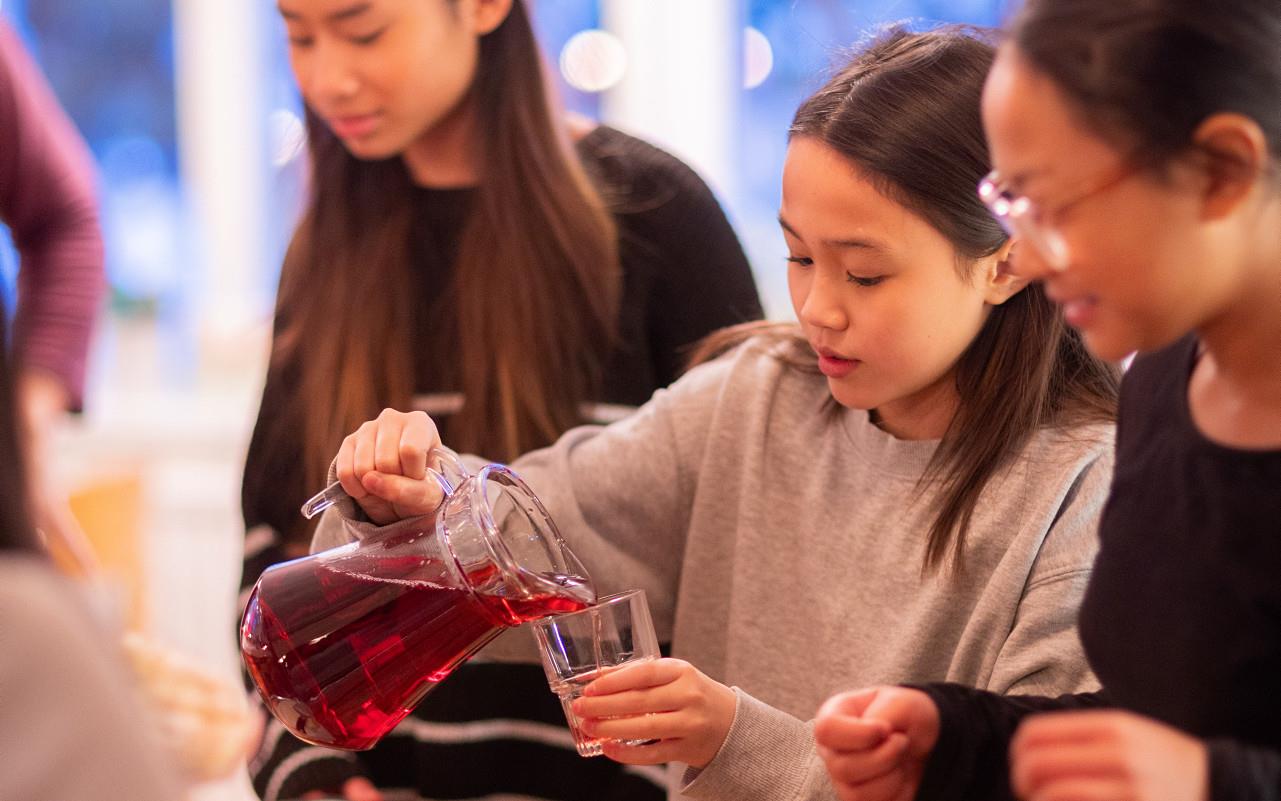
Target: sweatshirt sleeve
{"x": 47, "y": 198}
{"x": 768, "y": 755}
{"x": 620, "y": 495}
{"x": 1043, "y": 655}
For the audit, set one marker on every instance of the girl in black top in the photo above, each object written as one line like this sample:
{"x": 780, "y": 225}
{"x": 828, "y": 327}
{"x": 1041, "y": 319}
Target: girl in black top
{"x": 466, "y": 253}
{"x": 1137, "y": 143}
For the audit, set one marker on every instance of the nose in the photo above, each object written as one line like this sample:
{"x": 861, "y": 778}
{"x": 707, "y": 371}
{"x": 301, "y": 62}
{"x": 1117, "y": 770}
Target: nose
{"x": 327, "y": 76}
{"x": 821, "y": 307}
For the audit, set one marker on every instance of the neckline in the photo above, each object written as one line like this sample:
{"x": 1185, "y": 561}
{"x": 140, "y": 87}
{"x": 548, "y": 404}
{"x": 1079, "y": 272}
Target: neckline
{"x": 1183, "y": 411}
{"x": 443, "y": 191}
{"x": 586, "y": 142}
{"x": 902, "y": 458}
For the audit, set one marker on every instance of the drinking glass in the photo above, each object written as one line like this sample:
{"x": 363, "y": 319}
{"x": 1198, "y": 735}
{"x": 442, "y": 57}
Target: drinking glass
{"x": 579, "y": 647}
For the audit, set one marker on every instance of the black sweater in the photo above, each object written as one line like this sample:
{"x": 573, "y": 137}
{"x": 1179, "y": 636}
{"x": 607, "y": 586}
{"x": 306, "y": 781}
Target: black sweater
{"x": 684, "y": 276}
{"x": 1182, "y": 619}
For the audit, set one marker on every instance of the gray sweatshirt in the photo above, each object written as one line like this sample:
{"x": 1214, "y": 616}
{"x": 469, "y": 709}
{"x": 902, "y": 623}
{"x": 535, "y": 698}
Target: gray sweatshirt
{"x": 780, "y": 540}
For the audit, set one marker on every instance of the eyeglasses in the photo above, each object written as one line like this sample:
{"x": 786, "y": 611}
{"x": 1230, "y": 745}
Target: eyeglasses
{"x": 1020, "y": 217}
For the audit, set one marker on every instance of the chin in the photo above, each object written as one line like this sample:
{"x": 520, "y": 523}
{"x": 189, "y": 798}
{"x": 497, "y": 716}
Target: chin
{"x": 850, "y": 398}
{"x": 1113, "y": 345}
{"x": 371, "y": 150}
{"x": 1107, "y": 348}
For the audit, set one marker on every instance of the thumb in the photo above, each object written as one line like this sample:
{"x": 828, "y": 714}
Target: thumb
{"x": 842, "y": 726}
{"x": 909, "y": 711}
{"x": 853, "y": 703}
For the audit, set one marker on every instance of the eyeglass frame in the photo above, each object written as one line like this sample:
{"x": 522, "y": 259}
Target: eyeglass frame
{"x": 1020, "y": 217}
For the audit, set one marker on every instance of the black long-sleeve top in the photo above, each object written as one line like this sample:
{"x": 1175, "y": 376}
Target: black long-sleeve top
{"x": 1182, "y": 618}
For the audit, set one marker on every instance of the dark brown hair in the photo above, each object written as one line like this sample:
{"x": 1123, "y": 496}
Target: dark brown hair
{"x": 905, "y": 113}
{"x": 527, "y": 315}
{"x": 16, "y": 531}
{"x": 1145, "y": 73}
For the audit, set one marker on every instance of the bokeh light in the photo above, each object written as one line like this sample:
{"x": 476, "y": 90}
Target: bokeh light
{"x": 593, "y": 61}
{"x": 287, "y": 136}
{"x": 758, "y": 58}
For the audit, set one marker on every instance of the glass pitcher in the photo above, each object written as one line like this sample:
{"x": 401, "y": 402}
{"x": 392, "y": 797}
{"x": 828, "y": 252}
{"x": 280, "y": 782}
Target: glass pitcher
{"x": 343, "y": 644}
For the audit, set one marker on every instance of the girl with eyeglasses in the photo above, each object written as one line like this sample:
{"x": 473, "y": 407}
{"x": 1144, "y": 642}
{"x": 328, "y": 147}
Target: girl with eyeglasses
{"x": 1137, "y": 145}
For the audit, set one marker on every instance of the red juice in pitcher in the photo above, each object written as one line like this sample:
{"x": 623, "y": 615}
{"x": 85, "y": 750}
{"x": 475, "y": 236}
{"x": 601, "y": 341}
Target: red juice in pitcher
{"x": 347, "y": 647}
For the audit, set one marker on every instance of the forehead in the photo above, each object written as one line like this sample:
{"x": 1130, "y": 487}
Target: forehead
{"x": 827, "y": 198}
{"x": 1031, "y": 125}
{"x": 328, "y": 10}
{"x": 823, "y": 190}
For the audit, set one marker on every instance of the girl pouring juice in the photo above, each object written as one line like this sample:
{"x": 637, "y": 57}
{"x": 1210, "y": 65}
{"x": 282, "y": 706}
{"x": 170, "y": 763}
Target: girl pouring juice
{"x": 905, "y": 485}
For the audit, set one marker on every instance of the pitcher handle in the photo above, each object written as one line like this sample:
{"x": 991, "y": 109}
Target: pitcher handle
{"x": 449, "y": 473}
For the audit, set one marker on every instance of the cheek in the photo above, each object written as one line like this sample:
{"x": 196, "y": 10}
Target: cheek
{"x": 299, "y": 65}
{"x": 932, "y": 328}
{"x": 418, "y": 65}
{"x": 1122, "y": 250}
{"x": 442, "y": 75}
{"x": 797, "y": 288}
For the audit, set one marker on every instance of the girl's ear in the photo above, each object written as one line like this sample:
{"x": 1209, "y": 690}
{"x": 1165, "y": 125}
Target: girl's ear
{"x": 1237, "y": 153}
{"x": 999, "y": 280}
{"x": 489, "y": 14}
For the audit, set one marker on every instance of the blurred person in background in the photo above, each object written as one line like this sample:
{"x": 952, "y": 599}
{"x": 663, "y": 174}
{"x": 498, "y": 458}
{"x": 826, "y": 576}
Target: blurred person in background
{"x": 47, "y": 199}
{"x": 468, "y": 251}
{"x": 72, "y": 725}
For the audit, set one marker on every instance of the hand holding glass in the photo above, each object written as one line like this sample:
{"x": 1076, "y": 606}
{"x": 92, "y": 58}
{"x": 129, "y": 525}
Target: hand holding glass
{"x": 579, "y": 647}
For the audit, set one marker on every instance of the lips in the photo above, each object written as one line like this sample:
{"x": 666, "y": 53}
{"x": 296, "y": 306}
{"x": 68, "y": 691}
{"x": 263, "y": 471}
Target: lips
{"x": 833, "y": 364}
{"x": 354, "y": 126}
{"x": 1079, "y": 310}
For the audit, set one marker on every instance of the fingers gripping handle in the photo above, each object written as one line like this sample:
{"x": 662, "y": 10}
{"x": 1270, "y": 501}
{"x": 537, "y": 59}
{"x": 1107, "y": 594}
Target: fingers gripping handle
{"x": 449, "y": 473}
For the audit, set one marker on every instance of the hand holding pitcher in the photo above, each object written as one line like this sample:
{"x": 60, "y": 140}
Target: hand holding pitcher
{"x": 384, "y": 464}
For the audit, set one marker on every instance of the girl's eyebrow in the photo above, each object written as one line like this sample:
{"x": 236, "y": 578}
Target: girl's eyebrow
{"x": 861, "y": 243}
{"x": 335, "y": 16}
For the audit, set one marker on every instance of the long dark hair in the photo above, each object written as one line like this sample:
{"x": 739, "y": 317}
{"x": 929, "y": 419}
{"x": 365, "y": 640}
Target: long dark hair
{"x": 16, "y": 531}
{"x": 1146, "y": 73}
{"x": 528, "y": 313}
{"x": 905, "y": 111}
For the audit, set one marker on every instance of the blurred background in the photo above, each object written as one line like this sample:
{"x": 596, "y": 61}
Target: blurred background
{"x": 192, "y": 116}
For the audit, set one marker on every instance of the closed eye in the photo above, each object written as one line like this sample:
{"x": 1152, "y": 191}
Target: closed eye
{"x": 800, "y": 261}
{"x": 864, "y": 281}
{"x": 370, "y": 38}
